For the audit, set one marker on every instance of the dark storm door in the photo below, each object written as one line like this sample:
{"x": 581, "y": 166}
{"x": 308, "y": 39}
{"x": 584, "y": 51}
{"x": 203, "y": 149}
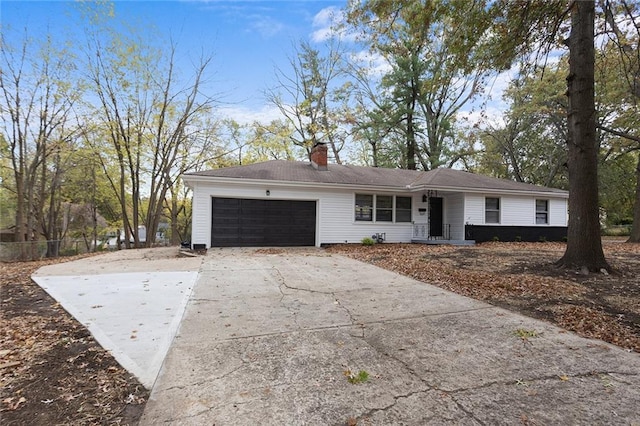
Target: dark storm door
{"x": 436, "y": 217}
{"x": 259, "y": 223}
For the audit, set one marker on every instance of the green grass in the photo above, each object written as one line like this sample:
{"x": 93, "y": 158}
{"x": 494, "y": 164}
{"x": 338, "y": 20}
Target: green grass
{"x": 361, "y": 377}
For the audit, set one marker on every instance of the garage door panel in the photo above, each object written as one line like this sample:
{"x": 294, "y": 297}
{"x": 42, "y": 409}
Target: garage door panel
{"x": 249, "y": 222}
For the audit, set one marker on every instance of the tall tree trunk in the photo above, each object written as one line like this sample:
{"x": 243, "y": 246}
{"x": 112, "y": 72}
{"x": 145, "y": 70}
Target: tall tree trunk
{"x": 584, "y": 245}
{"x": 634, "y": 237}
{"x": 175, "y": 235}
{"x": 94, "y": 209}
{"x": 411, "y": 142}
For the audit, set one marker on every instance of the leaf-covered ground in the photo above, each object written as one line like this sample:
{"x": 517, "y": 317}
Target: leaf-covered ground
{"x": 52, "y": 371}
{"x": 521, "y": 277}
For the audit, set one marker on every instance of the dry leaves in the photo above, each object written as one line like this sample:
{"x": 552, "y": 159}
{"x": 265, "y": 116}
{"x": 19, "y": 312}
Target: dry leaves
{"x": 54, "y": 371}
{"x": 522, "y": 277}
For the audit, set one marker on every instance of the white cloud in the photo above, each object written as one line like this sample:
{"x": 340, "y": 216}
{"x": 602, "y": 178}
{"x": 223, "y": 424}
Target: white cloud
{"x": 245, "y": 115}
{"x": 499, "y": 84}
{"x": 330, "y": 23}
{"x": 375, "y": 63}
{"x": 265, "y": 25}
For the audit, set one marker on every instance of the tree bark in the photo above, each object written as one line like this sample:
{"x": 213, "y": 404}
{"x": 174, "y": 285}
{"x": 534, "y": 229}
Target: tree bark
{"x": 584, "y": 244}
{"x": 634, "y": 237}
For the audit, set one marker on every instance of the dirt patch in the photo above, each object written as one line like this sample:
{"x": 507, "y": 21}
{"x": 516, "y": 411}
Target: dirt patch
{"x": 52, "y": 370}
{"x": 523, "y": 278}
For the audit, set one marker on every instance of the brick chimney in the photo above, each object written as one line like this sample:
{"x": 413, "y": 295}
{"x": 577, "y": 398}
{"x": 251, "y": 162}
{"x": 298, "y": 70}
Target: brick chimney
{"x": 318, "y": 156}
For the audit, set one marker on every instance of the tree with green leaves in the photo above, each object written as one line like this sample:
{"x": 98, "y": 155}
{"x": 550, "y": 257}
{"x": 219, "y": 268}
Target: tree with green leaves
{"x": 527, "y": 26}
{"x": 584, "y": 245}
{"x": 312, "y": 99}
{"x": 437, "y": 65}
{"x": 530, "y": 145}
{"x": 621, "y": 53}
{"x": 37, "y": 111}
{"x": 149, "y": 118}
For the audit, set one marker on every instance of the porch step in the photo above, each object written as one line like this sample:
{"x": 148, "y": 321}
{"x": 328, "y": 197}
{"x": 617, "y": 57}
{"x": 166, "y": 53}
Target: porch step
{"x": 443, "y": 242}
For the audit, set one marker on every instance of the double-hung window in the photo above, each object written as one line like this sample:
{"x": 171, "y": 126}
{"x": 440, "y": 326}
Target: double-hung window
{"x": 384, "y": 208}
{"x": 403, "y": 209}
{"x": 492, "y": 210}
{"x": 364, "y": 207}
{"x": 387, "y": 208}
{"x": 542, "y": 212}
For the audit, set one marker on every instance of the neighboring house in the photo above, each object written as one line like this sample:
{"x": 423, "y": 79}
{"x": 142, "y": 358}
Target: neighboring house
{"x": 288, "y": 203}
{"x": 114, "y": 239}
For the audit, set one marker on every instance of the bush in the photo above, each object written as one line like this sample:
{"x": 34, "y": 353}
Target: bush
{"x": 368, "y": 241}
{"x": 617, "y": 231}
{"x": 518, "y": 239}
{"x": 495, "y": 239}
{"x": 542, "y": 239}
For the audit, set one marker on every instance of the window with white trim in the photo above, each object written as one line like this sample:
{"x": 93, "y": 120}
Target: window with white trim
{"x": 542, "y": 212}
{"x": 387, "y": 208}
{"x": 364, "y": 207}
{"x": 384, "y": 208}
{"x": 491, "y": 210}
{"x": 403, "y": 209}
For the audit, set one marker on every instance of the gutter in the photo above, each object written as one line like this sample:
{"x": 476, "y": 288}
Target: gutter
{"x": 191, "y": 179}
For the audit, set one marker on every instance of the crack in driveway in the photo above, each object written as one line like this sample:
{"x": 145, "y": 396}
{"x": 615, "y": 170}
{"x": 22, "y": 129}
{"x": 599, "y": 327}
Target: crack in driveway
{"x": 283, "y": 283}
{"x": 294, "y": 374}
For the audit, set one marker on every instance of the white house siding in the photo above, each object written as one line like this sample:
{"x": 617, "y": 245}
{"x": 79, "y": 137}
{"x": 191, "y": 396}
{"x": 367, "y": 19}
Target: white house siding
{"x": 515, "y": 210}
{"x": 454, "y": 215}
{"x": 335, "y": 212}
{"x": 201, "y": 216}
{"x": 474, "y": 209}
{"x": 338, "y": 225}
{"x": 558, "y": 212}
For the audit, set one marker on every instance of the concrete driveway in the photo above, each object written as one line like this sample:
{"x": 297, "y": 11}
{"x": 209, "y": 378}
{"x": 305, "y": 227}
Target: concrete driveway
{"x": 268, "y": 335}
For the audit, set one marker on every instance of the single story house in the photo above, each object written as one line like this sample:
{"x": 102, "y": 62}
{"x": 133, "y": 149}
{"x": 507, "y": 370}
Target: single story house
{"x": 291, "y": 203}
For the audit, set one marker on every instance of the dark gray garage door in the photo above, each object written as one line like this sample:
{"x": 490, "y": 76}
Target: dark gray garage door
{"x": 259, "y": 223}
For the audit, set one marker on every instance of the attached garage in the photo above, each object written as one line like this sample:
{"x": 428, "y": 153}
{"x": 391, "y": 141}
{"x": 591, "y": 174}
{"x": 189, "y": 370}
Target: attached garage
{"x": 240, "y": 222}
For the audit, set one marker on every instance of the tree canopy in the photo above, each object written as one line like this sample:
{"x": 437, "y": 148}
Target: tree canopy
{"x": 112, "y": 125}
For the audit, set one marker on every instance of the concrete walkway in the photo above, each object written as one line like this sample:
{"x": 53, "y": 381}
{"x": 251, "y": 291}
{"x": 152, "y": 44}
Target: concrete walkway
{"x": 131, "y": 301}
{"x": 267, "y": 338}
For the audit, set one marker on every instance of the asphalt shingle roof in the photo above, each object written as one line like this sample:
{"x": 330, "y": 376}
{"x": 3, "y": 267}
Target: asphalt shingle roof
{"x": 297, "y": 171}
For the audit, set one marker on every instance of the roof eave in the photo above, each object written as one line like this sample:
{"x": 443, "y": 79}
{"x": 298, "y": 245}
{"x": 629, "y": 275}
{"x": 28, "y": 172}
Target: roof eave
{"x": 298, "y": 184}
{"x": 541, "y": 192}
{"x": 188, "y": 179}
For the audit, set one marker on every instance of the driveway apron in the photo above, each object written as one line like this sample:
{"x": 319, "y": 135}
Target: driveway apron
{"x": 303, "y": 337}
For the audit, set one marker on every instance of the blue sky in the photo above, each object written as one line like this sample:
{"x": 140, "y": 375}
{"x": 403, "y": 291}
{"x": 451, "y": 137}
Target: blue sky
{"x": 246, "y": 38}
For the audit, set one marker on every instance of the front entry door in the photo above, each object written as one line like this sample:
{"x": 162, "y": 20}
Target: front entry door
{"x": 435, "y": 217}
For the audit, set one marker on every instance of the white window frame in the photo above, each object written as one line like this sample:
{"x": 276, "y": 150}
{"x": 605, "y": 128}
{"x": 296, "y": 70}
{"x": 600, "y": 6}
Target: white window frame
{"x": 374, "y": 209}
{"x": 498, "y": 210}
{"x": 395, "y": 209}
{"x": 545, "y": 212}
{"x": 389, "y": 209}
{"x": 355, "y": 208}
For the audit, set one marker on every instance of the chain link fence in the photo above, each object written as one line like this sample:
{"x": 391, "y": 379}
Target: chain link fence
{"x": 36, "y": 250}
